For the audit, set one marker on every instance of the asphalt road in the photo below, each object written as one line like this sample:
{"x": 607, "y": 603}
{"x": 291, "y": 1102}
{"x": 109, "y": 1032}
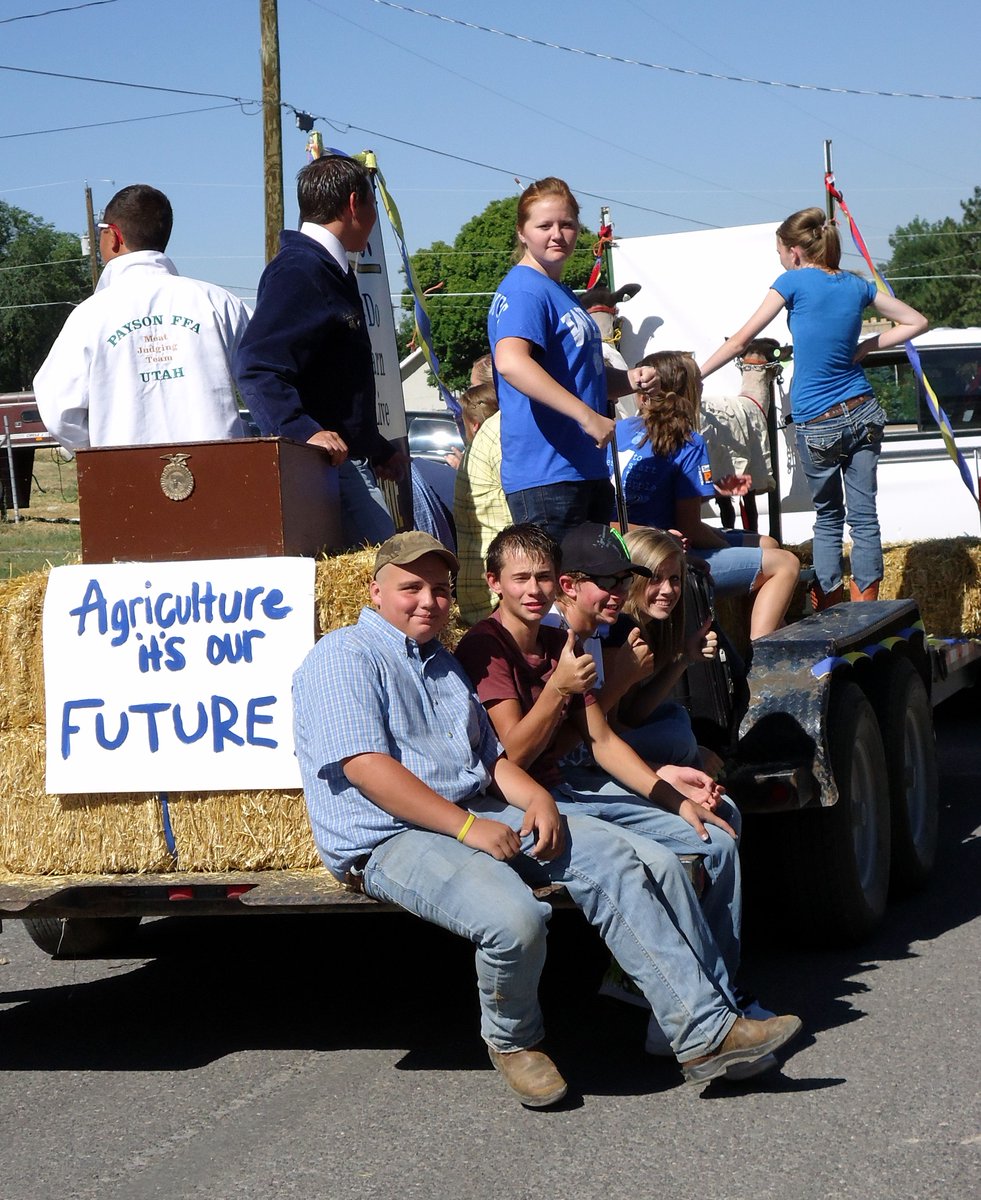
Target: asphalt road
{"x": 339, "y": 1057}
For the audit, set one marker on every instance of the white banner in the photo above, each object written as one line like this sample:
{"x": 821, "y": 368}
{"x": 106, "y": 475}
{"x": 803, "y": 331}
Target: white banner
{"x": 174, "y": 676}
{"x": 697, "y": 289}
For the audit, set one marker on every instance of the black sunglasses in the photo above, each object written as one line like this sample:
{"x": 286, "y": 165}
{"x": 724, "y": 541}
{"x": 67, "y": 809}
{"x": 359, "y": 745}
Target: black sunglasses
{"x": 610, "y": 583}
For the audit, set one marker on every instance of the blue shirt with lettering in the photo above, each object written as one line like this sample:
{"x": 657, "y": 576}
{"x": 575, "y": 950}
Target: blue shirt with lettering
{"x": 539, "y": 445}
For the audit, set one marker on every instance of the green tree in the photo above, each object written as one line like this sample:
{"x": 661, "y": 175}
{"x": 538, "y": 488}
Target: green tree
{"x": 42, "y": 274}
{"x": 936, "y": 266}
{"x": 465, "y": 276}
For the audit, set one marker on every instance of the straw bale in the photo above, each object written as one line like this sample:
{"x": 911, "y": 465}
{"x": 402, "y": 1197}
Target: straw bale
{"x": 21, "y": 662}
{"x": 242, "y": 831}
{"x": 42, "y": 834}
{"x": 944, "y": 577}
{"x": 341, "y": 589}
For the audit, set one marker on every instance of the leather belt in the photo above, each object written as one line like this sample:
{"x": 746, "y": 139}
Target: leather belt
{"x": 838, "y": 410}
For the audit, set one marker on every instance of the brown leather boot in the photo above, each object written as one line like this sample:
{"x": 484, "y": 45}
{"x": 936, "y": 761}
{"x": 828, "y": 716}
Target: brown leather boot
{"x": 870, "y": 593}
{"x": 531, "y": 1075}
{"x": 746, "y": 1042}
{"x": 821, "y": 600}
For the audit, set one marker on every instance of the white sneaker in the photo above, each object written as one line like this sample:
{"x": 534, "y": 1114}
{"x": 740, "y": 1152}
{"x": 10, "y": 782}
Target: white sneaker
{"x": 750, "y": 1007}
{"x": 656, "y": 1042}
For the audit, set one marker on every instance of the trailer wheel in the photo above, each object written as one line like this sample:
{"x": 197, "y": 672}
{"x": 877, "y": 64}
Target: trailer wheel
{"x": 842, "y": 853}
{"x": 906, "y": 723}
{"x": 79, "y": 937}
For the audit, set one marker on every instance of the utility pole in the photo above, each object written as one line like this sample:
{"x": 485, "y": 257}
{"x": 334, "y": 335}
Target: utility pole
{"x": 272, "y": 125}
{"x": 93, "y": 237}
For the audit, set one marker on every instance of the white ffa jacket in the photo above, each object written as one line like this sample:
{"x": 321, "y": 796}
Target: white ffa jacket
{"x": 146, "y": 359}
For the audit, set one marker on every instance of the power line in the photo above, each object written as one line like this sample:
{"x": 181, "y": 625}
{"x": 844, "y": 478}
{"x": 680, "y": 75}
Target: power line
{"x": 121, "y": 121}
{"x": 143, "y": 87}
{"x": 51, "y": 11}
{"x": 650, "y": 66}
{"x": 50, "y": 263}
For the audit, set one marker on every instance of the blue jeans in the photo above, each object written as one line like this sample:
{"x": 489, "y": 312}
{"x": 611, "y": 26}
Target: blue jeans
{"x": 665, "y": 736}
{"x": 364, "y": 514}
{"x": 839, "y": 457}
{"x": 559, "y": 507}
{"x": 466, "y": 891}
{"x": 659, "y": 837}
{"x": 736, "y": 567}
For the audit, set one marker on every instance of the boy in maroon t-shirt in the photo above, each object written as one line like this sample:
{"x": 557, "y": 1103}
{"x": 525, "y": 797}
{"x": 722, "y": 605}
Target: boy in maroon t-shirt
{"x": 536, "y": 684}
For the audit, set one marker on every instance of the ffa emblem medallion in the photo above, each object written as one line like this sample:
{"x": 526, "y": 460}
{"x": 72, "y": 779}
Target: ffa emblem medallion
{"x": 176, "y": 480}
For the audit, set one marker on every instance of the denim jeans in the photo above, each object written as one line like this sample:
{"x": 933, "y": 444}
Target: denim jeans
{"x": 364, "y": 515}
{"x": 559, "y": 507}
{"x": 665, "y": 736}
{"x": 736, "y": 567}
{"x": 659, "y": 837}
{"x": 466, "y": 891}
{"x": 839, "y": 456}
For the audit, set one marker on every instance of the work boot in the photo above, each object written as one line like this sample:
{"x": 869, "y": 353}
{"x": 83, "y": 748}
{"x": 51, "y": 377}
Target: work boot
{"x": 746, "y": 1042}
{"x": 531, "y": 1075}
{"x": 821, "y": 600}
{"x": 870, "y": 593}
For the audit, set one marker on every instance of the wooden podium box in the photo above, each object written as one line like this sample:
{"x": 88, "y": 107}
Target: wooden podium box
{"x": 247, "y": 498}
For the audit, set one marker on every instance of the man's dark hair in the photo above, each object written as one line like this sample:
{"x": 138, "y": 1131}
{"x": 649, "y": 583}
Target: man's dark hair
{"x": 527, "y": 539}
{"x": 143, "y": 215}
{"x": 324, "y": 186}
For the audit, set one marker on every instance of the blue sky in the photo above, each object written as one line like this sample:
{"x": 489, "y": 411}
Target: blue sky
{"x": 667, "y": 151}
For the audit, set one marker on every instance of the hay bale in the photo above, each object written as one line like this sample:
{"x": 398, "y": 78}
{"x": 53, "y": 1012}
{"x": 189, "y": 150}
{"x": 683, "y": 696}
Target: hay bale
{"x": 242, "y": 831}
{"x": 341, "y": 590}
{"x": 943, "y": 577}
{"x": 42, "y": 834}
{"x": 21, "y": 658}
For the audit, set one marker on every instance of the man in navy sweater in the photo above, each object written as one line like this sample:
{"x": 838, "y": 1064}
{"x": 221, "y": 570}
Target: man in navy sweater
{"x": 304, "y": 368}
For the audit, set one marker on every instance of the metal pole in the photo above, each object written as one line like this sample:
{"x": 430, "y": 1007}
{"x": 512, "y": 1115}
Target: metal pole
{"x": 977, "y": 476}
{"x": 776, "y": 515}
{"x": 272, "y": 125}
{"x": 607, "y": 250}
{"x": 10, "y": 467}
{"x": 622, "y": 519}
{"x": 829, "y": 200}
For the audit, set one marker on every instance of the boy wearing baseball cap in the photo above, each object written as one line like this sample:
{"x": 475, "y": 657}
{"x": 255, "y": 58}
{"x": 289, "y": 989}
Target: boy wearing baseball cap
{"x": 539, "y": 686}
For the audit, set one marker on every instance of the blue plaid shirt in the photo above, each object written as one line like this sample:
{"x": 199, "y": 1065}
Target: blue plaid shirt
{"x": 370, "y": 689}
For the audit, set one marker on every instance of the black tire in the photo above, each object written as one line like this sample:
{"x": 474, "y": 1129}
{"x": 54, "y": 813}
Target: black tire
{"x": 79, "y": 937}
{"x": 841, "y": 856}
{"x": 906, "y": 724}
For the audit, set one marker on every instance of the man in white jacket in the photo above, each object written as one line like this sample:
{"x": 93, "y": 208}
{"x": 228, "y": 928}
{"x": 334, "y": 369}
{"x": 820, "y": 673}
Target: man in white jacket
{"x": 148, "y": 357}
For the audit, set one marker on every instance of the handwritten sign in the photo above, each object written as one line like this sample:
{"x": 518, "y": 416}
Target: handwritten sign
{"x": 174, "y": 676}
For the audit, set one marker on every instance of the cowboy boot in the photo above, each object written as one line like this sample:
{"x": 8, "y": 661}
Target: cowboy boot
{"x": 870, "y": 593}
{"x": 821, "y": 600}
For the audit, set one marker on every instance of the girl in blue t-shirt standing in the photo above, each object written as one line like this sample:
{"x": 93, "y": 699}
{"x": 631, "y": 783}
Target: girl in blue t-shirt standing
{"x": 552, "y": 385}
{"x": 838, "y": 420}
